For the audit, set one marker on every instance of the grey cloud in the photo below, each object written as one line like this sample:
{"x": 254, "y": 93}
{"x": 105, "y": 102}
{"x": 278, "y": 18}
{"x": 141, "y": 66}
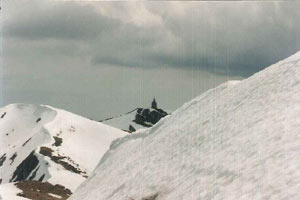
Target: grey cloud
{"x": 245, "y": 36}
{"x": 236, "y": 38}
{"x": 240, "y": 38}
{"x": 64, "y": 20}
{"x": 117, "y": 55}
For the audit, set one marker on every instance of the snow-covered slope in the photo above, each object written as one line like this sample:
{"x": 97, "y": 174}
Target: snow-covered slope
{"x": 9, "y": 191}
{"x": 124, "y": 121}
{"x": 49, "y": 144}
{"x": 240, "y": 140}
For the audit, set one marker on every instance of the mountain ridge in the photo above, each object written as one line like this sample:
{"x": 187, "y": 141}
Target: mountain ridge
{"x": 43, "y": 143}
{"x": 237, "y": 141}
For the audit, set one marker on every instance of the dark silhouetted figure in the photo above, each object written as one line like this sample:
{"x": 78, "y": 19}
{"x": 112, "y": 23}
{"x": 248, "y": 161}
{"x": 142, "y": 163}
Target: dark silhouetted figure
{"x": 154, "y": 104}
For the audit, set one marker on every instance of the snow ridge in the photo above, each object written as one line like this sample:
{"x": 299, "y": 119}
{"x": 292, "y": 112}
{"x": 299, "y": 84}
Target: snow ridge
{"x": 238, "y": 141}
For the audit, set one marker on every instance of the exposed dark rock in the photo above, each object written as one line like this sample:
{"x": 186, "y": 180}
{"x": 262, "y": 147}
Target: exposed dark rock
{"x": 151, "y": 197}
{"x": 3, "y": 115}
{"x": 58, "y": 141}
{"x": 2, "y": 159}
{"x": 12, "y": 158}
{"x": 147, "y": 117}
{"x": 131, "y": 128}
{"x": 126, "y": 130}
{"x": 38, "y": 119}
{"x": 145, "y": 112}
{"x": 42, "y": 190}
{"x": 26, "y": 142}
{"x": 46, "y": 151}
{"x": 34, "y": 174}
{"x": 139, "y": 110}
{"x": 42, "y": 177}
{"x": 58, "y": 159}
{"x": 106, "y": 119}
{"x": 140, "y": 119}
{"x": 25, "y": 168}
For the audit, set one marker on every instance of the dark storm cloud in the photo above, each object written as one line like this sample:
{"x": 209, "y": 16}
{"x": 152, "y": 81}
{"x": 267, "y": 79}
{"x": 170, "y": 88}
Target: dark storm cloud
{"x": 239, "y": 38}
{"x": 54, "y": 20}
{"x": 226, "y": 38}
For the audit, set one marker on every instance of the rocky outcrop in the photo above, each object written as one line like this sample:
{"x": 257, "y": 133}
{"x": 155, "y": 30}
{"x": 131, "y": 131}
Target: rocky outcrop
{"x": 2, "y": 159}
{"x": 138, "y": 118}
{"x": 25, "y": 168}
{"x": 149, "y": 116}
{"x": 131, "y": 128}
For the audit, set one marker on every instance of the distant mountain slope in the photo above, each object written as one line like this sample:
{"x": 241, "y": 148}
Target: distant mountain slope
{"x": 240, "y": 140}
{"x": 138, "y": 118}
{"x": 48, "y": 144}
{"x": 9, "y": 191}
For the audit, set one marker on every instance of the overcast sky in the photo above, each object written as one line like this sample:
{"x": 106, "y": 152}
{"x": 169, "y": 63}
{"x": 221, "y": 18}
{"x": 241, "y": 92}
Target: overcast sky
{"x": 99, "y": 59}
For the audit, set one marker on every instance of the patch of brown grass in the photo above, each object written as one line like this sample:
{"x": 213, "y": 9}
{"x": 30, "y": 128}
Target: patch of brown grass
{"x": 58, "y": 141}
{"x": 58, "y": 159}
{"x": 37, "y": 190}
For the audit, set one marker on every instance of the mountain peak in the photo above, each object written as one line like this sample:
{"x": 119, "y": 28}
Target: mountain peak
{"x": 43, "y": 143}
